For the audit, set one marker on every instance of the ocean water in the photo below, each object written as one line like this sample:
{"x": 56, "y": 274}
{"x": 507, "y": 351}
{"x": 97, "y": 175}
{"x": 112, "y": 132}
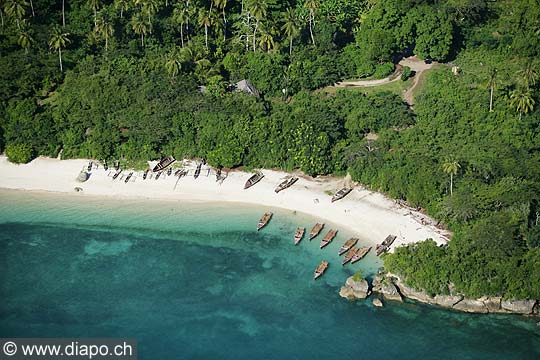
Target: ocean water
{"x": 197, "y": 281}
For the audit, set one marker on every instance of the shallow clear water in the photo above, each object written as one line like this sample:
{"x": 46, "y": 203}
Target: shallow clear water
{"x": 196, "y": 281}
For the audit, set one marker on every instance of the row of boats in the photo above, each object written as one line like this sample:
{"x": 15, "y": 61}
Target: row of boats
{"x": 352, "y": 253}
{"x": 287, "y": 183}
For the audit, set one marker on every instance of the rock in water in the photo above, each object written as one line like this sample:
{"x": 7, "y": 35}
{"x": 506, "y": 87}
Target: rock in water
{"x": 377, "y": 302}
{"x": 354, "y": 289}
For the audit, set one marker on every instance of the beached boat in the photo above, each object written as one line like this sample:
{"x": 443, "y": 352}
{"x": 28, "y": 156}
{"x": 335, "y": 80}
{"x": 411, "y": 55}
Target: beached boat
{"x": 348, "y": 244}
{"x": 349, "y": 255}
{"x": 360, "y": 254}
{"x": 128, "y": 177}
{"x": 158, "y": 175}
{"x": 321, "y": 268}
{"x": 163, "y": 163}
{"x": 90, "y": 166}
{"x": 298, "y": 235}
{"x": 117, "y": 165}
{"x": 330, "y": 235}
{"x": 255, "y": 178}
{"x": 118, "y": 172}
{"x": 385, "y": 245}
{"x": 169, "y": 171}
{"x": 105, "y": 165}
{"x": 316, "y": 230}
{"x": 197, "y": 171}
{"x": 286, "y": 184}
{"x": 341, "y": 194}
{"x": 145, "y": 174}
{"x": 264, "y": 220}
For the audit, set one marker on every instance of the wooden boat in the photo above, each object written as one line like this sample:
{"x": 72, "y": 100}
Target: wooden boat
{"x": 299, "y": 234}
{"x": 128, "y": 177}
{"x": 264, "y": 220}
{"x": 341, "y": 194}
{"x": 118, "y": 172}
{"x": 169, "y": 172}
{"x": 286, "y": 184}
{"x": 348, "y": 244}
{"x": 316, "y": 230}
{"x": 145, "y": 174}
{"x": 117, "y": 165}
{"x": 321, "y": 268}
{"x": 385, "y": 245}
{"x": 90, "y": 165}
{"x": 105, "y": 165}
{"x": 197, "y": 171}
{"x": 163, "y": 164}
{"x": 255, "y": 178}
{"x": 360, "y": 254}
{"x": 330, "y": 235}
{"x": 349, "y": 255}
{"x": 158, "y": 175}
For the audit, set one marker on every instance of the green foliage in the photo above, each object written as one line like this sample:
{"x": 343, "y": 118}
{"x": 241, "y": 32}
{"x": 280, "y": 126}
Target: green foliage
{"x": 358, "y": 276}
{"x": 19, "y": 153}
{"x": 407, "y": 73}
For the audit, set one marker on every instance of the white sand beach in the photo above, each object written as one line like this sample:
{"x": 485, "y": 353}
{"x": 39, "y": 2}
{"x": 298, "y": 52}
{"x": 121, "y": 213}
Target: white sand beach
{"x": 369, "y": 214}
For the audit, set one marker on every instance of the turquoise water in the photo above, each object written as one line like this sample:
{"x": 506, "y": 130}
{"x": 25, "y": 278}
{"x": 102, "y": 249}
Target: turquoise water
{"x": 196, "y": 281}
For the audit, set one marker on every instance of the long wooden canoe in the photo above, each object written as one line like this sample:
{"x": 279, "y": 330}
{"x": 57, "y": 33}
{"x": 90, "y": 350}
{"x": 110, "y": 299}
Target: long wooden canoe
{"x": 286, "y": 184}
{"x": 349, "y": 255}
{"x": 360, "y": 254}
{"x": 316, "y": 230}
{"x": 264, "y": 220}
{"x": 330, "y": 235}
{"x": 348, "y": 244}
{"x": 197, "y": 171}
{"x": 163, "y": 163}
{"x": 341, "y": 194}
{"x": 298, "y": 235}
{"x": 321, "y": 268}
{"x": 255, "y": 178}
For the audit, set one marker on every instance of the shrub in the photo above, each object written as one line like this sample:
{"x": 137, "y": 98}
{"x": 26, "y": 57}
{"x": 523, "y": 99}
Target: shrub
{"x": 407, "y": 73}
{"x": 383, "y": 70}
{"x": 19, "y": 153}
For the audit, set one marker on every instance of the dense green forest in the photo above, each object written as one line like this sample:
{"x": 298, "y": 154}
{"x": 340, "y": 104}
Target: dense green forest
{"x": 122, "y": 79}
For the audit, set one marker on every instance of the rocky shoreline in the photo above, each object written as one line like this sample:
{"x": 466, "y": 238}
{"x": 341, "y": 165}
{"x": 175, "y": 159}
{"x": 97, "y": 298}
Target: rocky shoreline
{"x": 393, "y": 289}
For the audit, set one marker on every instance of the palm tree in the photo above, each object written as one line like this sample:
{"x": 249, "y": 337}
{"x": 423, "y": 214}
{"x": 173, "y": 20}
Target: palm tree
{"x": 58, "y": 41}
{"x": 257, "y": 8}
{"x": 205, "y": 19}
{"x": 122, "y": 5}
{"x": 266, "y": 40}
{"x": 312, "y": 6}
{"x": 492, "y": 83}
{"x": 2, "y": 5}
{"x": 222, "y": 4}
{"x": 521, "y": 99}
{"x": 16, "y": 9}
{"x": 150, "y": 8}
{"x": 529, "y": 74}
{"x": 173, "y": 64}
{"x": 104, "y": 29}
{"x": 25, "y": 39}
{"x": 451, "y": 167}
{"x": 291, "y": 27}
{"x": 94, "y": 4}
{"x": 180, "y": 14}
{"x": 32, "y": 8}
{"x": 140, "y": 26}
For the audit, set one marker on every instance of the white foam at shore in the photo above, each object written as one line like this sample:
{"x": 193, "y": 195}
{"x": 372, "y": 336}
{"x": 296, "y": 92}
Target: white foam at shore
{"x": 369, "y": 214}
